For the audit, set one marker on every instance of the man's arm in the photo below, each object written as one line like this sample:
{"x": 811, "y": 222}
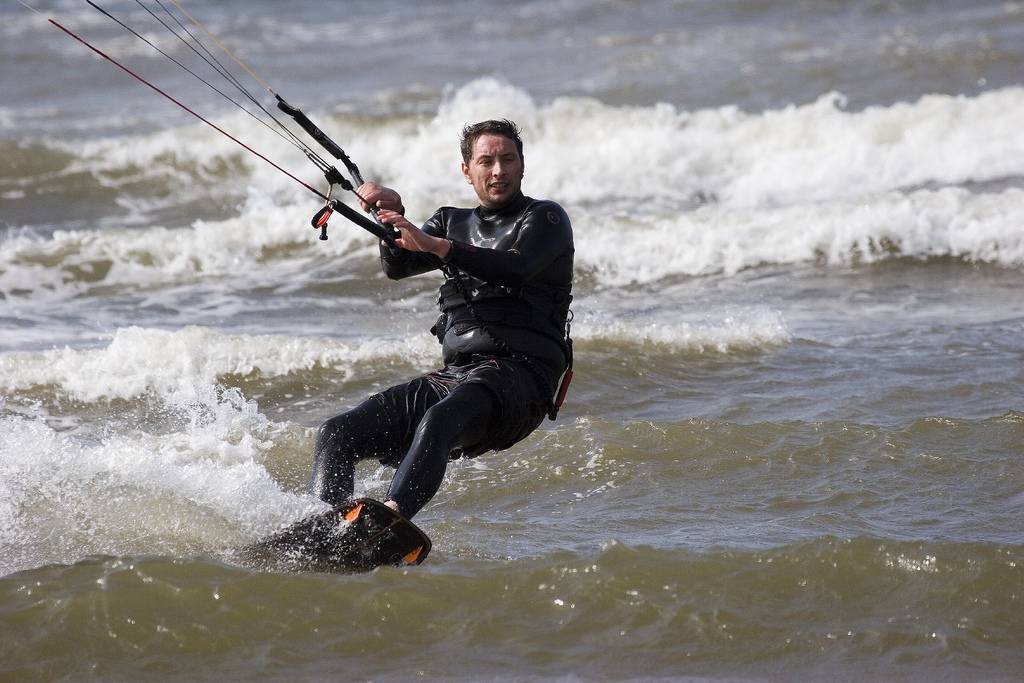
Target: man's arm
{"x": 415, "y": 256}
{"x": 397, "y": 263}
{"x": 545, "y": 234}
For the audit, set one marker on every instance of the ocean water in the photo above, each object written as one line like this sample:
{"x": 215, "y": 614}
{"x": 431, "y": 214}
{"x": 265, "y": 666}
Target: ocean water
{"x": 793, "y": 447}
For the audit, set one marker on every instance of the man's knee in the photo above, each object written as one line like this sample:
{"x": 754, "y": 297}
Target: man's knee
{"x": 330, "y": 430}
{"x": 343, "y": 431}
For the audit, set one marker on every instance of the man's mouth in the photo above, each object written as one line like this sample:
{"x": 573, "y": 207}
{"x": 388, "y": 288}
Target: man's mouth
{"x": 498, "y": 187}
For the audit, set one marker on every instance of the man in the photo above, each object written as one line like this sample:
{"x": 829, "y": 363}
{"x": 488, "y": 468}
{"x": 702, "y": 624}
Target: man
{"x": 508, "y": 268}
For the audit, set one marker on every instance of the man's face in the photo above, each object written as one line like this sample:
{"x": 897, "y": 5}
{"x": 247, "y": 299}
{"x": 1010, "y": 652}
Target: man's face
{"x": 495, "y": 170}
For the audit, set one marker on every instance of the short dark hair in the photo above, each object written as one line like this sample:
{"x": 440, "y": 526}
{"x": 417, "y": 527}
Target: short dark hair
{"x": 504, "y": 127}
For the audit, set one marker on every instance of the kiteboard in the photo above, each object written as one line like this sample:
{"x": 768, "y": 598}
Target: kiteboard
{"x": 358, "y": 536}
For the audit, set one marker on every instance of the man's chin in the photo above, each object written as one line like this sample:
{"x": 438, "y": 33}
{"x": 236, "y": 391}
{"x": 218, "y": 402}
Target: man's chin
{"x": 499, "y": 198}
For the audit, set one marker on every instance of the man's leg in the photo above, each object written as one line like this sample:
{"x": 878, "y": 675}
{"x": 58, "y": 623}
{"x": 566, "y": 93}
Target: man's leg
{"x": 366, "y": 431}
{"x": 459, "y": 420}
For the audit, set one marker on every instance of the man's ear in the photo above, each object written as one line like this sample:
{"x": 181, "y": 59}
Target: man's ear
{"x": 465, "y": 173}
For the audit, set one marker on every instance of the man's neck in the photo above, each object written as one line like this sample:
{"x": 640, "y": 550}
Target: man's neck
{"x": 512, "y": 204}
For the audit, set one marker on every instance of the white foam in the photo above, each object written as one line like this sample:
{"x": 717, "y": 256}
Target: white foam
{"x": 200, "y": 489}
{"x": 52, "y": 267}
{"x": 818, "y": 151}
{"x": 580, "y": 150}
{"x": 713, "y": 239}
{"x": 741, "y": 329}
{"x": 801, "y": 183}
{"x": 182, "y": 365}
{"x": 190, "y": 476}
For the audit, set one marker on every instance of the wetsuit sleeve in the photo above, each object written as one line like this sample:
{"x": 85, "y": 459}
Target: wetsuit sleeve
{"x": 401, "y": 263}
{"x": 546, "y": 234}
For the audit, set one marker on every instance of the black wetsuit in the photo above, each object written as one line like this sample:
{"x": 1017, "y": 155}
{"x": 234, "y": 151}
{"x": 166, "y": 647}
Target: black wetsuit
{"x": 503, "y": 351}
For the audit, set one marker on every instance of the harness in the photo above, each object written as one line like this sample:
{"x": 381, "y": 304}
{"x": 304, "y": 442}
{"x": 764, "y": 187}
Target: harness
{"x": 455, "y": 277}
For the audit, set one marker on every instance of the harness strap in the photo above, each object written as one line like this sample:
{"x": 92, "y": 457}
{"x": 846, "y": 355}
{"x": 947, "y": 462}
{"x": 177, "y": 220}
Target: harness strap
{"x": 563, "y": 385}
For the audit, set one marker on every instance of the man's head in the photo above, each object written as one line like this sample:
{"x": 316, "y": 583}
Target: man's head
{"x": 492, "y": 161}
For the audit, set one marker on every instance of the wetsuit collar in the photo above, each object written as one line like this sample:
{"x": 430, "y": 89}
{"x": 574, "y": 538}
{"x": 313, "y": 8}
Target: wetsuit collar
{"x": 514, "y": 205}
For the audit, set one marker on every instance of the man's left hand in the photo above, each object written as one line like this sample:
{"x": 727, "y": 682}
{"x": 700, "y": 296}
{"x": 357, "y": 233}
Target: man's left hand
{"x": 414, "y": 239}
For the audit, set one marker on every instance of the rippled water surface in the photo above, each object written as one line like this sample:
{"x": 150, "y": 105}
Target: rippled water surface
{"x": 793, "y": 447}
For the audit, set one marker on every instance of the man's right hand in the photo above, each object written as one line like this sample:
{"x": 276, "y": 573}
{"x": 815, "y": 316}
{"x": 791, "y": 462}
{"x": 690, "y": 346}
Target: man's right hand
{"x": 372, "y": 195}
